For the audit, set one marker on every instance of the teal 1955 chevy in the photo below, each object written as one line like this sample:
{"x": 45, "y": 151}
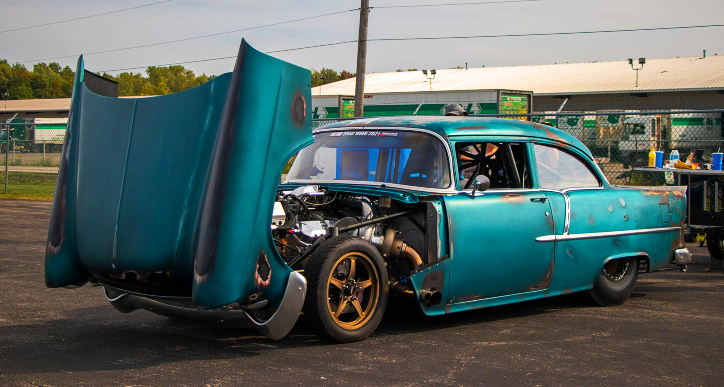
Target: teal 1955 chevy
{"x": 173, "y": 204}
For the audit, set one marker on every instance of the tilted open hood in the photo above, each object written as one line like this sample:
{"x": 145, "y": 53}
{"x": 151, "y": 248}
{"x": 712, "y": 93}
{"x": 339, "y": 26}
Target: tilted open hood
{"x": 173, "y": 195}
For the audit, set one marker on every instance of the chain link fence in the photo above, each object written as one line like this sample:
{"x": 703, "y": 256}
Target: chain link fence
{"x": 621, "y": 141}
{"x": 30, "y": 157}
{"x": 30, "y": 149}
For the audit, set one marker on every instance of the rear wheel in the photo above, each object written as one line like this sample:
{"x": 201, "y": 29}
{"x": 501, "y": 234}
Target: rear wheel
{"x": 347, "y": 292}
{"x": 615, "y": 282}
{"x": 714, "y": 245}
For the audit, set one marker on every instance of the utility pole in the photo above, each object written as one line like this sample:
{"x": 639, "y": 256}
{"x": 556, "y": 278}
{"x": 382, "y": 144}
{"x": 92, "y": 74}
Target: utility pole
{"x": 359, "y": 91}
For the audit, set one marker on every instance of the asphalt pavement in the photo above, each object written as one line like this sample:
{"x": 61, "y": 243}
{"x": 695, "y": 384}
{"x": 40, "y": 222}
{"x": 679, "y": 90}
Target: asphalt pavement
{"x": 668, "y": 334}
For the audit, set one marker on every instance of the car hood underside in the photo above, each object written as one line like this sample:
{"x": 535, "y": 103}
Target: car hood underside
{"x": 172, "y": 195}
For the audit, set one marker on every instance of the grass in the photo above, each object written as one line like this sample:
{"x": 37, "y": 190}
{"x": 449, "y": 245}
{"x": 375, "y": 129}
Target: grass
{"x": 21, "y": 163}
{"x": 26, "y": 185}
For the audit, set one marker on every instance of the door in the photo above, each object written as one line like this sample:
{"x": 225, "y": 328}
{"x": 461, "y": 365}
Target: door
{"x": 492, "y": 235}
{"x": 493, "y": 247}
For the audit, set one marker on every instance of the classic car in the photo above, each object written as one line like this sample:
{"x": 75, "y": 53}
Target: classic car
{"x": 450, "y": 213}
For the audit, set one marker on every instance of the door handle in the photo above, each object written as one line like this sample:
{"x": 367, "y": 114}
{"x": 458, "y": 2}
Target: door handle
{"x": 542, "y": 200}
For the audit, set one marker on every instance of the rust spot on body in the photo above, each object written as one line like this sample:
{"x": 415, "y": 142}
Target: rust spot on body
{"x": 299, "y": 109}
{"x": 474, "y": 127}
{"x": 262, "y": 275}
{"x": 435, "y": 279}
{"x": 590, "y": 219}
{"x": 514, "y": 198}
{"x": 548, "y": 132}
{"x": 470, "y": 298}
{"x": 547, "y": 278}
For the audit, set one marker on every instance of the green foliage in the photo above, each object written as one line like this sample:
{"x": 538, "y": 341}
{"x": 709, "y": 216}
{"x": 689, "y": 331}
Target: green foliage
{"x": 45, "y": 81}
{"x": 53, "y": 81}
{"x": 329, "y": 76}
{"x": 160, "y": 81}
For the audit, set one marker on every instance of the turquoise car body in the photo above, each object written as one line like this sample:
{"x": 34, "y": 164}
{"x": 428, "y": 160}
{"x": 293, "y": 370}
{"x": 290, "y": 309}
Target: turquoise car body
{"x": 506, "y": 246}
{"x": 171, "y": 197}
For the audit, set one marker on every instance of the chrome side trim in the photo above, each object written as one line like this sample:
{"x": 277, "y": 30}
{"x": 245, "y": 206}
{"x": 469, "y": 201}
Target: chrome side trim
{"x": 582, "y": 189}
{"x": 594, "y": 235}
{"x": 567, "y": 223}
{"x": 275, "y": 328}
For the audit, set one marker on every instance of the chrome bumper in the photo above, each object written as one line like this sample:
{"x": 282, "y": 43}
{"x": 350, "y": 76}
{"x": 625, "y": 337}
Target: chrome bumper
{"x": 682, "y": 256}
{"x": 275, "y": 328}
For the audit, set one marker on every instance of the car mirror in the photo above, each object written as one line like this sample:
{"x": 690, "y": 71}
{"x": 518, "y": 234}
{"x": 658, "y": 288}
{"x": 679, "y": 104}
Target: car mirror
{"x": 481, "y": 183}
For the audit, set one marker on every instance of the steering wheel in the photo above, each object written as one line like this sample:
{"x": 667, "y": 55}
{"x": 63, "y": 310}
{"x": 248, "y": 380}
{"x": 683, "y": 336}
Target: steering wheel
{"x": 479, "y": 161}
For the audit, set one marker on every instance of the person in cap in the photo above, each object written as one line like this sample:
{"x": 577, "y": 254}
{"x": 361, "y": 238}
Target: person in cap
{"x": 454, "y": 109}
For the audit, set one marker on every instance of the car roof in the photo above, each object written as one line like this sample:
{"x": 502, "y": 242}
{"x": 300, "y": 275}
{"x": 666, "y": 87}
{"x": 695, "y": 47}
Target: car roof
{"x": 451, "y": 126}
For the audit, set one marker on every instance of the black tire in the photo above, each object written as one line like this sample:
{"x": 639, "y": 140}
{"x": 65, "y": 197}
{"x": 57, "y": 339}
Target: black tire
{"x": 357, "y": 310}
{"x": 714, "y": 245}
{"x": 615, "y": 282}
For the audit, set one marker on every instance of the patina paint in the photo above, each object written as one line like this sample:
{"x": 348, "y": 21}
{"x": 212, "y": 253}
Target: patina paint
{"x": 62, "y": 265}
{"x": 612, "y": 209}
{"x": 484, "y": 261}
{"x": 173, "y": 194}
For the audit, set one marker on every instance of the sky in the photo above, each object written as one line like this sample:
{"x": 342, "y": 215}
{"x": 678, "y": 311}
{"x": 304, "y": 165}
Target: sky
{"x": 179, "y": 19}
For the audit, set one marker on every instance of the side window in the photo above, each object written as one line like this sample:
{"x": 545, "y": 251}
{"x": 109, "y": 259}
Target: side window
{"x": 504, "y": 164}
{"x": 559, "y": 170}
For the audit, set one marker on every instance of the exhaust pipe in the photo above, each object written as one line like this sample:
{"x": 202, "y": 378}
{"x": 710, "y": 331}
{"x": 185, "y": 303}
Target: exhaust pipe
{"x": 431, "y": 297}
{"x": 397, "y": 287}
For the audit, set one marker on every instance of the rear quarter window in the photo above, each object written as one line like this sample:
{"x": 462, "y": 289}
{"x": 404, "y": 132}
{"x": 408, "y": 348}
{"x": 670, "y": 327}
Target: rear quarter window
{"x": 558, "y": 169}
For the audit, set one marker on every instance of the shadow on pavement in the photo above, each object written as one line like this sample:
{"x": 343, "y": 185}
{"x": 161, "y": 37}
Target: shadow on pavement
{"x": 116, "y": 341}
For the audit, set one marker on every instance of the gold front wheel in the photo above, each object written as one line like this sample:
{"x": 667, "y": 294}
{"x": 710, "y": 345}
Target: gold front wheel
{"x": 346, "y": 297}
{"x": 353, "y": 289}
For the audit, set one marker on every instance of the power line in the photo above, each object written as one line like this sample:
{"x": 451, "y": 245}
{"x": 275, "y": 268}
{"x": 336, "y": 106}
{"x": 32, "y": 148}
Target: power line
{"x": 274, "y": 24}
{"x": 231, "y": 57}
{"x": 442, "y": 38}
{"x": 456, "y": 4}
{"x": 548, "y": 33}
{"x": 84, "y": 17}
{"x": 195, "y": 37}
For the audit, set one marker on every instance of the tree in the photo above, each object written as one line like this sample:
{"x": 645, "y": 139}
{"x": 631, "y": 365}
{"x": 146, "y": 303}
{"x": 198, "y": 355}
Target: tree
{"x": 329, "y": 76}
{"x": 45, "y": 81}
{"x": 160, "y": 81}
{"x": 19, "y": 85}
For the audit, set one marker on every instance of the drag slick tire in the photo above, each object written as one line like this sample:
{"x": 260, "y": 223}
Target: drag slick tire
{"x": 714, "y": 245}
{"x": 615, "y": 282}
{"x": 347, "y": 289}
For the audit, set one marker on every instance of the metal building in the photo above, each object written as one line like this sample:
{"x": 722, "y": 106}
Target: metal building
{"x": 668, "y": 83}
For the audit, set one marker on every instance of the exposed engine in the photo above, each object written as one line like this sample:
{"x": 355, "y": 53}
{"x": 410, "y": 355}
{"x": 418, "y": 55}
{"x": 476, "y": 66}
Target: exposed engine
{"x": 302, "y": 218}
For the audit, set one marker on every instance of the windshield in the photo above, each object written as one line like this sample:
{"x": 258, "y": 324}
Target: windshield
{"x": 395, "y": 157}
